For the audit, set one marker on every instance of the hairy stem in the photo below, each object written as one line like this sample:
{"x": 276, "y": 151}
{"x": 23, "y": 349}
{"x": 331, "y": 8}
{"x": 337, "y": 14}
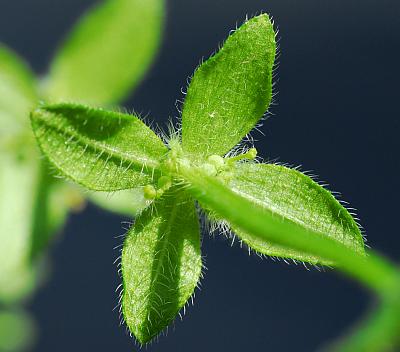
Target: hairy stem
{"x": 372, "y": 270}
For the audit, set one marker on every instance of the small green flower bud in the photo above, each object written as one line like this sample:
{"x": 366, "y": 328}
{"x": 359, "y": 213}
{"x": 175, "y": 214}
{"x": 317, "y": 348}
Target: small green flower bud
{"x": 252, "y": 153}
{"x": 149, "y": 192}
{"x": 217, "y": 161}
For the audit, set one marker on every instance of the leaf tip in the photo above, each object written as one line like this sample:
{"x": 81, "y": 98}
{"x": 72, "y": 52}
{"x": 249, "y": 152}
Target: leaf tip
{"x": 261, "y": 20}
{"x": 35, "y": 113}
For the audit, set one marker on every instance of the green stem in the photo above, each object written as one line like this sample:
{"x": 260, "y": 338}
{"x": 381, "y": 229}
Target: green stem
{"x": 372, "y": 270}
{"x": 249, "y": 155}
{"x": 378, "y": 332}
{"x": 40, "y": 211}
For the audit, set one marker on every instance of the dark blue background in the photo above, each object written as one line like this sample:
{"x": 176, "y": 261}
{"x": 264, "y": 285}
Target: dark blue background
{"x": 337, "y": 114}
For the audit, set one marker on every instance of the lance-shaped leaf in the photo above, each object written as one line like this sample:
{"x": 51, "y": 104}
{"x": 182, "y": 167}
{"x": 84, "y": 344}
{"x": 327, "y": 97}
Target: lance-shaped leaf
{"x": 262, "y": 224}
{"x": 290, "y": 194}
{"x": 104, "y": 151}
{"x": 161, "y": 264}
{"x": 17, "y": 93}
{"x": 108, "y": 52}
{"x": 231, "y": 91}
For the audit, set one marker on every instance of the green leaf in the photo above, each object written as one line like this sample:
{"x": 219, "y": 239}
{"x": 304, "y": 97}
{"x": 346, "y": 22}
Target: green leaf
{"x": 161, "y": 264}
{"x": 127, "y": 202}
{"x": 231, "y": 91}
{"x": 263, "y": 225}
{"x": 104, "y": 151}
{"x": 289, "y": 194}
{"x": 18, "y": 178}
{"x": 17, "y": 93}
{"x": 108, "y": 52}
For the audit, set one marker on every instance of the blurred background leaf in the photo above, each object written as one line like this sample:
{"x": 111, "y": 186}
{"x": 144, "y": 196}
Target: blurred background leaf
{"x": 17, "y": 186}
{"x": 17, "y": 330}
{"x": 18, "y": 176}
{"x": 121, "y": 202}
{"x": 107, "y": 53}
{"x": 17, "y": 94}
{"x": 104, "y": 58}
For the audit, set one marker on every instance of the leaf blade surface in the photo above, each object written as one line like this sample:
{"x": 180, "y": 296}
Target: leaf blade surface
{"x": 231, "y": 91}
{"x": 161, "y": 264}
{"x": 103, "y": 151}
{"x": 290, "y": 194}
{"x": 263, "y": 225}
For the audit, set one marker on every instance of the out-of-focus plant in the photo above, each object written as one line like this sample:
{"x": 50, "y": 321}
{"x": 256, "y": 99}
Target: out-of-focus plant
{"x": 17, "y": 330}
{"x": 274, "y": 210}
{"x": 102, "y": 60}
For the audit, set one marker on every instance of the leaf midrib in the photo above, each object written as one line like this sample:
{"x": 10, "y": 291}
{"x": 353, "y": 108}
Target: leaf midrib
{"x": 86, "y": 142}
{"x": 268, "y": 206}
{"x": 167, "y": 232}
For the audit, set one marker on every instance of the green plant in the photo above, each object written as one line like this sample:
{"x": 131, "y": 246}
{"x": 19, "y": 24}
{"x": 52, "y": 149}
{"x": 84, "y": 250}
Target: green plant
{"x": 103, "y": 58}
{"x": 17, "y": 330}
{"x": 275, "y": 210}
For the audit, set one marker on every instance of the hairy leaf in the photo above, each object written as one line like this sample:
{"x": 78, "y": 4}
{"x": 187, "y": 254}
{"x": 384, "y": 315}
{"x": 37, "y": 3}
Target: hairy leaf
{"x": 289, "y": 194}
{"x": 17, "y": 92}
{"x": 231, "y": 91}
{"x": 108, "y": 52}
{"x": 161, "y": 264}
{"x": 104, "y": 151}
{"x": 263, "y": 225}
